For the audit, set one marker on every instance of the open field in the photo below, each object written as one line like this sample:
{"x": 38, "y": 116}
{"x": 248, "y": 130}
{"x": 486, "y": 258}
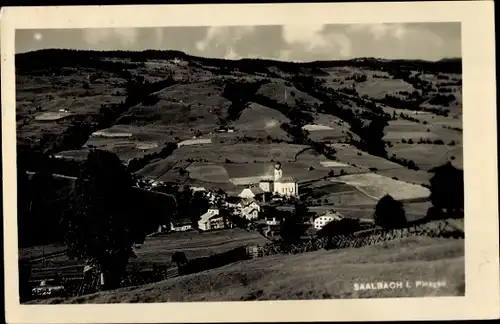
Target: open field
{"x": 196, "y": 141}
{"x": 348, "y": 154}
{"x": 419, "y": 177}
{"x": 208, "y": 172}
{"x": 53, "y": 115}
{"x": 327, "y": 128}
{"x": 401, "y": 129}
{"x": 155, "y": 250}
{"x": 159, "y": 249}
{"x": 260, "y": 121}
{"x": 427, "y": 156}
{"x": 238, "y": 153}
{"x": 377, "y": 186}
{"x": 377, "y": 88}
{"x": 314, "y": 275}
{"x": 279, "y": 92}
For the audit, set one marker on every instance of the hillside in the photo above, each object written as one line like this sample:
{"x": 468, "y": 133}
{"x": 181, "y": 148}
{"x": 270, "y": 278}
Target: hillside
{"x": 313, "y": 275}
{"x": 133, "y": 103}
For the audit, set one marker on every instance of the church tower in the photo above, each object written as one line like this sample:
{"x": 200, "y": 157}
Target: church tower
{"x": 278, "y": 172}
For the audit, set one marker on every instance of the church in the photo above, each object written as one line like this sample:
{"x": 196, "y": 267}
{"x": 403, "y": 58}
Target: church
{"x": 280, "y": 185}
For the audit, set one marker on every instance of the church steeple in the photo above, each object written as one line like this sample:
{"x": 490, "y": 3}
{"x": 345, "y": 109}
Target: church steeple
{"x": 278, "y": 172}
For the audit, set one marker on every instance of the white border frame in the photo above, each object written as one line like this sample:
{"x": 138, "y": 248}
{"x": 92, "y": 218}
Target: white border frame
{"x": 480, "y": 161}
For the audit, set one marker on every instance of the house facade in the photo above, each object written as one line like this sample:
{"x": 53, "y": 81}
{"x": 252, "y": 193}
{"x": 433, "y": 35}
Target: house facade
{"x": 180, "y": 225}
{"x": 214, "y": 218}
{"x": 326, "y": 218}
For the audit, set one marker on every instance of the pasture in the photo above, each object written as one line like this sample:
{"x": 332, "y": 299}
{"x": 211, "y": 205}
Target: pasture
{"x": 260, "y": 122}
{"x": 155, "y": 250}
{"x": 339, "y": 194}
{"x": 76, "y": 155}
{"x": 208, "y": 172}
{"x": 427, "y": 156}
{"x": 166, "y": 170}
{"x": 125, "y": 148}
{"x": 401, "y": 129}
{"x": 238, "y": 153}
{"x": 281, "y": 93}
{"x": 327, "y": 128}
{"x": 348, "y": 154}
{"x": 377, "y": 88}
{"x": 376, "y": 186}
{"x": 160, "y": 248}
{"x": 315, "y": 275}
{"x": 52, "y": 115}
{"x": 195, "y": 141}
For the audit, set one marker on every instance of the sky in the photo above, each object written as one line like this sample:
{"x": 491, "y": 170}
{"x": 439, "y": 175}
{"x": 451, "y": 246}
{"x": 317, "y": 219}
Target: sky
{"x": 308, "y": 42}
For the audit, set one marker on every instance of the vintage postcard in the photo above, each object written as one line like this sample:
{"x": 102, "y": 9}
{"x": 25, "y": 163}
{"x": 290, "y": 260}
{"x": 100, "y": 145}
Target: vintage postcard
{"x": 214, "y": 163}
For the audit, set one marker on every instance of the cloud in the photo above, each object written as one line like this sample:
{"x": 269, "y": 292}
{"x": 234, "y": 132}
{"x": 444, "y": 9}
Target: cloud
{"x": 379, "y": 31}
{"x": 125, "y": 36}
{"x": 223, "y": 36}
{"x": 316, "y": 40}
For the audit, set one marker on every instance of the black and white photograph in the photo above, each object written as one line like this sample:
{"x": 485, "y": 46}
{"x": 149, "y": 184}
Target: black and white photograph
{"x": 252, "y": 162}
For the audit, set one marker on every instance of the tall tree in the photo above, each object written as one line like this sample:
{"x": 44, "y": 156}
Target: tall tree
{"x": 292, "y": 227}
{"x": 101, "y": 225}
{"x": 389, "y": 213}
{"x": 447, "y": 188}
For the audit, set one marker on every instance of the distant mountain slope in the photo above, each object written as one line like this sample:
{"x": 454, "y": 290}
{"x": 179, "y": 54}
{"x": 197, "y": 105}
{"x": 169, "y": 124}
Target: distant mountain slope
{"x": 63, "y": 96}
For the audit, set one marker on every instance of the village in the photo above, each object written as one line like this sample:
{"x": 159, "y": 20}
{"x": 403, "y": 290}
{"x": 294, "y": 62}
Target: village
{"x": 257, "y": 204}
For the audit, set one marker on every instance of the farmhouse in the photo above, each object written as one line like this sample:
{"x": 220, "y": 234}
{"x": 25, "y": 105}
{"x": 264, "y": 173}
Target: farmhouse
{"x": 250, "y": 210}
{"x": 326, "y": 218}
{"x": 283, "y": 186}
{"x": 180, "y": 225}
{"x": 214, "y": 218}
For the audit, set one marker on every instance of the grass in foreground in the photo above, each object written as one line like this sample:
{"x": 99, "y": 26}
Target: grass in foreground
{"x": 315, "y": 275}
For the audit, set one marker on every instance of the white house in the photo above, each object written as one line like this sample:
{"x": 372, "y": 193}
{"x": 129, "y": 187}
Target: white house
{"x": 180, "y": 225}
{"x": 250, "y": 210}
{"x": 326, "y": 218}
{"x": 250, "y": 192}
{"x": 214, "y": 218}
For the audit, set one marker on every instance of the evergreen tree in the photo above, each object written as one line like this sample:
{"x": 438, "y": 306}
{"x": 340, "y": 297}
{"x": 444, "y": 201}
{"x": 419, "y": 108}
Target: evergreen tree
{"x": 101, "y": 225}
{"x": 447, "y": 188}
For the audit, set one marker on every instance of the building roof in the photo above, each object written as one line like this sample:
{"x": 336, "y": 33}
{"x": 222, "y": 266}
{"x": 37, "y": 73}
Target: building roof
{"x": 287, "y": 180}
{"x": 254, "y": 189}
{"x": 181, "y": 222}
{"x": 331, "y": 213}
{"x": 266, "y": 180}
